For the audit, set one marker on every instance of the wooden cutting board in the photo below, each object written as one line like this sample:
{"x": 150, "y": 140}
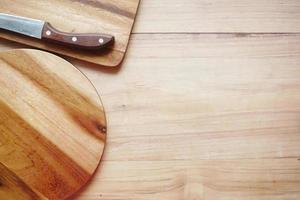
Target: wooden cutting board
{"x": 52, "y": 127}
{"x": 113, "y": 17}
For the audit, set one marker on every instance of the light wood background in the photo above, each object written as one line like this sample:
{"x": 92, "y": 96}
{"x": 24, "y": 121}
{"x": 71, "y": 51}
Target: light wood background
{"x": 206, "y": 105}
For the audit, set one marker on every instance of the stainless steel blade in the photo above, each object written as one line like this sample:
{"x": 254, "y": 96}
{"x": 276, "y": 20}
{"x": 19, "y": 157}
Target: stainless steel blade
{"x": 22, "y": 25}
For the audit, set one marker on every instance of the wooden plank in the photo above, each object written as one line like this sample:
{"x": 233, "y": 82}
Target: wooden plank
{"x": 106, "y": 16}
{"x": 262, "y": 179}
{"x": 218, "y": 16}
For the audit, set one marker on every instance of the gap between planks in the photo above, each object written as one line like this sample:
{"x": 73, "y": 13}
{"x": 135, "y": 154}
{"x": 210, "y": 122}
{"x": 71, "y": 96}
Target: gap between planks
{"x": 217, "y": 33}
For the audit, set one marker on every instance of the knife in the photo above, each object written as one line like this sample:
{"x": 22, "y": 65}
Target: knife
{"x": 45, "y": 31}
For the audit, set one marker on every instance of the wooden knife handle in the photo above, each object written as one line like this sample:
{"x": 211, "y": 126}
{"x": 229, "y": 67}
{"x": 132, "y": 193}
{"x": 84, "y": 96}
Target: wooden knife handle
{"x": 92, "y": 41}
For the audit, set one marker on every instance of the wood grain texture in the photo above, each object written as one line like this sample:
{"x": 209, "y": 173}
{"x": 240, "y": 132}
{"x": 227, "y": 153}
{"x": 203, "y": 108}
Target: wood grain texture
{"x": 12, "y": 187}
{"x": 112, "y": 17}
{"x": 52, "y": 130}
{"x": 203, "y": 116}
{"x": 213, "y": 116}
{"x": 211, "y": 16}
{"x": 262, "y": 179}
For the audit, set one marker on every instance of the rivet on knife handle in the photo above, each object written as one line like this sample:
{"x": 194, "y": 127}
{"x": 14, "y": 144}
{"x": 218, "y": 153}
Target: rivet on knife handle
{"x": 80, "y": 40}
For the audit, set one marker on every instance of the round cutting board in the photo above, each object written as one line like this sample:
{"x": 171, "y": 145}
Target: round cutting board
{"x": 52, "y": 127}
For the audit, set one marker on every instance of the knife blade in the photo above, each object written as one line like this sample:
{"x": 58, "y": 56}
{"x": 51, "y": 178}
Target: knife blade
{"x": 45, "y": 31}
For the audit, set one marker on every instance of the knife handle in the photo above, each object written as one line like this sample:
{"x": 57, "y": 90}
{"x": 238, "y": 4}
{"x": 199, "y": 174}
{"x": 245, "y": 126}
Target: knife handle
{"x": 91, "y": 41}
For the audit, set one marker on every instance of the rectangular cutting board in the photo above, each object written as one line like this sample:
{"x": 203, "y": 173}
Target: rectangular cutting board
{"x": 115, "y": 17}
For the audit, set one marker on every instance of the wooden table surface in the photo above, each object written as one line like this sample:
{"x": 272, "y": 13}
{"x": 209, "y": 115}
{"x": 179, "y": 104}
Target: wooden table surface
{"x": 206, "y": 105}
